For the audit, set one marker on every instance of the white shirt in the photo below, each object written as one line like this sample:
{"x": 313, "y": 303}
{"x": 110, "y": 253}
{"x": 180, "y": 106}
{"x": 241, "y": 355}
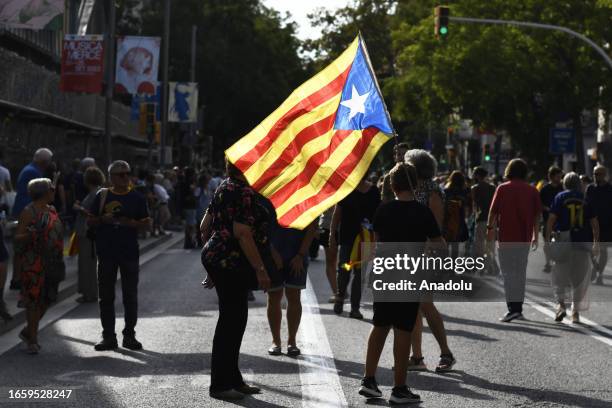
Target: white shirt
{"x": 161, "y": 193}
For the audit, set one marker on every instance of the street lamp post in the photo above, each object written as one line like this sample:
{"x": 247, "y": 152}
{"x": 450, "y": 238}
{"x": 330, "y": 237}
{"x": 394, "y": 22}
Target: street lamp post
{"x": 164, "y": 87}
{"x": 110, "y": 82}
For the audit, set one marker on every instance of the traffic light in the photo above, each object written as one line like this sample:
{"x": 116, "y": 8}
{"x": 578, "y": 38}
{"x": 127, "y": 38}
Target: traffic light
{"x": 486, "y": 150}
{"x": 441, "y": 14}
{"x": 147, "y": 120}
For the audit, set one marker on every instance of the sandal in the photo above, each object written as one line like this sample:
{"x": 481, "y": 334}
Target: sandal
{"x": 446, "y": 363}
{"x": 417, "y": 364}
{"x": 275, "y": 351}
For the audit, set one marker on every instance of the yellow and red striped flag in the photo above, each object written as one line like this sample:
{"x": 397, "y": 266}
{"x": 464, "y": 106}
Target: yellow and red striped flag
{"x": 314, "y": 149}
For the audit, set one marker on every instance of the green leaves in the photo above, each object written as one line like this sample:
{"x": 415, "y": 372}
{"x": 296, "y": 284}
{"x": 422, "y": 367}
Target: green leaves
{"x": 521, "y": 80}
{"x": 247, "y": 59}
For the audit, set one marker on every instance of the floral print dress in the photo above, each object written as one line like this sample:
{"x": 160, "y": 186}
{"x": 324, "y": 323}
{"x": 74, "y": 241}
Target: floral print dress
{"x": 236, "y": 201}
{"x": 47, "y": 241}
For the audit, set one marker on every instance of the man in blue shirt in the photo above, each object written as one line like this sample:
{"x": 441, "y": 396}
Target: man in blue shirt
{"x": 36, "y": 169}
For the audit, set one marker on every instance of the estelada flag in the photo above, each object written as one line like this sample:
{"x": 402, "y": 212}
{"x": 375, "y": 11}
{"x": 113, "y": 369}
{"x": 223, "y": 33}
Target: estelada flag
{"x": 316, "y": 147}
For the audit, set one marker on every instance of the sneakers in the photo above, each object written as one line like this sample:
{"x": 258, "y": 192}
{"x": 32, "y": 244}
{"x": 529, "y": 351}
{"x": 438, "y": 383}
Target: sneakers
{"x": 369, "y": 388}
{"x": 293, "y": 351}
{"x": 356, "y": 314}
{"x": 508, "y": 317}
{"x": 403, "y": 395}
{"x": 561, "y": 313}
{"x": 107, "y": 343}
{"x": 575, "y": 316}
{"x": 275, "y": 350}
{"x": 130, "y": 342}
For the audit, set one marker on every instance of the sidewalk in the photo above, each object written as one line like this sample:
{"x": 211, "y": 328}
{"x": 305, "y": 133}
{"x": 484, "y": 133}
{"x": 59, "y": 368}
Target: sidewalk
{"x": 66, "y": 288}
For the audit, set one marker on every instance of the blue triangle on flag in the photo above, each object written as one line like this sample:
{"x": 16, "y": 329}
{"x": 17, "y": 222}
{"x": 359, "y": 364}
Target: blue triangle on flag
{"x": 361, "y": 105}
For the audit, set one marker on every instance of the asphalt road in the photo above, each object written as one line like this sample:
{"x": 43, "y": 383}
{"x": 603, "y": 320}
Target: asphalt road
{"x": 531, "y": 363}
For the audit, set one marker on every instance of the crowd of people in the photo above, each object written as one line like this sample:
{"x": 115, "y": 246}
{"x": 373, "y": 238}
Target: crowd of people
{"x": 100, "y": 221}
{"x": 244, "y": 248}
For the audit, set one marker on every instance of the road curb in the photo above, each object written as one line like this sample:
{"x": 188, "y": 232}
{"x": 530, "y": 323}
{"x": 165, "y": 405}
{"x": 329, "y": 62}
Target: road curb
{"x": 65, "y": 292}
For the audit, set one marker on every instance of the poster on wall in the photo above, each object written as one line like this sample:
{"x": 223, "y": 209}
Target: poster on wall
{"x": 137, "y": 64}
{"x": 183, "y": 102}
{"x": 32, "y": 14}
{"x": 82, "y": 63}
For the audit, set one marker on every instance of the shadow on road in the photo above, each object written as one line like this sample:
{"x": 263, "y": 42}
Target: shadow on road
{"x": 455, "y": 381}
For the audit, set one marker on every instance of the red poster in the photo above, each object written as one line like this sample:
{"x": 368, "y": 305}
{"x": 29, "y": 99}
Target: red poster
{"x": 82, "y": 63}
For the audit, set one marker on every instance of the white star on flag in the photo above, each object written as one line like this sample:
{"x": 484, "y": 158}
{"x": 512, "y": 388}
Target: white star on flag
{"x": 356, "y": 104}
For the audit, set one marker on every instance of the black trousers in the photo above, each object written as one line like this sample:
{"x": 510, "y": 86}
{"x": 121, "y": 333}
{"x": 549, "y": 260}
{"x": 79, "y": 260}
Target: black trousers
{"x": 107, "y": 277}
{"x": 344, "y": 277}
{"x": 233, "y": 315}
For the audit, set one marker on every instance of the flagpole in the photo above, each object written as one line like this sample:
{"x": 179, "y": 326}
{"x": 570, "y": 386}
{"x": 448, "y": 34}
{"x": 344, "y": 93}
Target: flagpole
{"x": 373, "y": 75}
{"x": 394, "y": 132}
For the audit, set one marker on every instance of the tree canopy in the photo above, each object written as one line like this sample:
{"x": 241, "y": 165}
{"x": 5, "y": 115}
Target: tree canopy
{"x": 247, "y": 58}
{"x": 516, "y": 79}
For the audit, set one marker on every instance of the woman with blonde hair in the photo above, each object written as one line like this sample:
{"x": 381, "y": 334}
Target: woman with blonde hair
{"x": 39, "y": 243}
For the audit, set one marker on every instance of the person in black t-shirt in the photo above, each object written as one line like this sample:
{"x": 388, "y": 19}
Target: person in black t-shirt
{"x": 352, "y": 214}
{"x": 117, "y": 214}
{"x": 547, "y": 196}
{"x": 401, "y": 220}
{"x": 599, "y": 197}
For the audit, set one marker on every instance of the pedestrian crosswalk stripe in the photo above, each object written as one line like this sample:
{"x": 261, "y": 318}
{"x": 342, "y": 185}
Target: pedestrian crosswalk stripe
{"x": 318, "y": 374}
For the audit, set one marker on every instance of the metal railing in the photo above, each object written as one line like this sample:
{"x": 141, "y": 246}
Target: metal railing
{"x": 47, "y": 41}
